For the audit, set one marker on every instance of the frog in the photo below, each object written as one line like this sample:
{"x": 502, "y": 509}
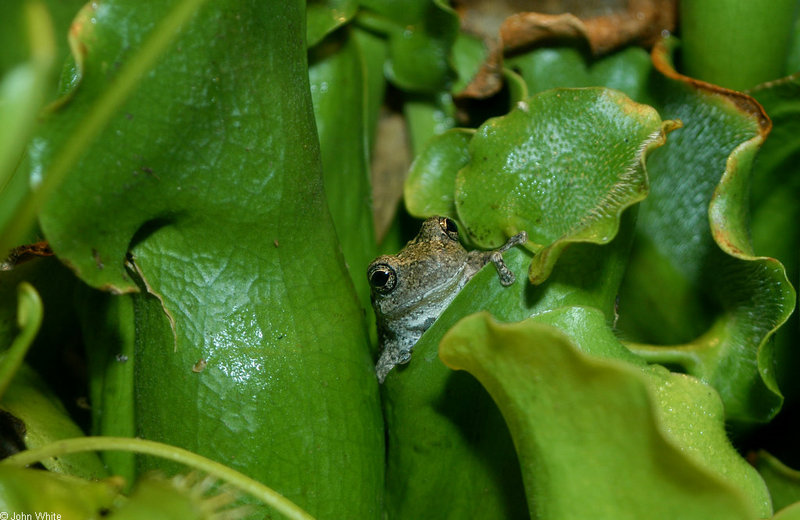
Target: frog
{"x": 411, "y": 289}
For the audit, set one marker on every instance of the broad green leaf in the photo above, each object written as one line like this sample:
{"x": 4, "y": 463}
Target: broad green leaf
{"x": 28, "y": 491}
{"x": 562, "y": 166}
{"x": 577, "y": 411}
{"x": 783, "y": 482}
{"x": 421, "y": 35}
{"x": 338, "y": 80}
{"x": 210, "y": 176}
{"x": 325, "y": 16}
{"x": 693, "y": 275}
{"x": 736, "y": 44}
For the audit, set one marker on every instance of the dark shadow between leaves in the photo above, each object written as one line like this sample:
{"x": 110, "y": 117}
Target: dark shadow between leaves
{"x": 482, "y": 425}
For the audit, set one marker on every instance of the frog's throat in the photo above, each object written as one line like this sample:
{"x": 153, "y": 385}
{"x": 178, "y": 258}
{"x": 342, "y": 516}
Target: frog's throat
{"x": 451, "y": 287}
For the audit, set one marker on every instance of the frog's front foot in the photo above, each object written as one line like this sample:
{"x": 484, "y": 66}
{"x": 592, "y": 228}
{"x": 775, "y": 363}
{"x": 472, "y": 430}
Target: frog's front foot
{"x": 390, "y": 357}
{"x": 506, "y": 275}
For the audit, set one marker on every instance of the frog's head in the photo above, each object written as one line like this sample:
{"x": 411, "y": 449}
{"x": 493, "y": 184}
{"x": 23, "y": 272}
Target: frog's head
{"x": 424, "y": 276}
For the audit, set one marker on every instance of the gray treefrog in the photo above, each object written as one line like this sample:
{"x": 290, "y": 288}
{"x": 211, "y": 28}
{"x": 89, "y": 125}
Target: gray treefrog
{"x": 412, "y": 288}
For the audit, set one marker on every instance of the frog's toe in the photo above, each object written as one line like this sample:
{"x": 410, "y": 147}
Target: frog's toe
{"x": 385, "y": 364}
{"x": 506, "y": 275}
{"x": 381, "y": 372}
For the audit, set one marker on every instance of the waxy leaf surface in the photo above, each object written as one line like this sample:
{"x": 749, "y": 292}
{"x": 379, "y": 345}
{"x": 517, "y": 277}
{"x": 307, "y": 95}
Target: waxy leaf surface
{"x": 248, "y": 330}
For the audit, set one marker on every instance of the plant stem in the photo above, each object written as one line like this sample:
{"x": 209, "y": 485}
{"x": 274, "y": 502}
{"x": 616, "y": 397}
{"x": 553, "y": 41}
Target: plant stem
{"x": 142, "y": 446}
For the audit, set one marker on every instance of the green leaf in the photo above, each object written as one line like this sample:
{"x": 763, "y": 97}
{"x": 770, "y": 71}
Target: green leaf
{"x": 775, "y": 183}
{"x": 469, "y": 53}
{"x": 24, "y": 490}
{"x": 793, "y": 54}
{"x": 45, "y": 420}
{"x": 775, "y": 212}
{"x": 783, "y": 482}
{"x": 421, "y": 34}
{"x": 572, "y": 66}
{"x": 428, "y": 116}
{"x": 26, "y": 77}
{"x": 92, "y": 121}
{"x": 325, "y": 16}
{"x": 736, "y": 44}
{"x": 373, "y": 51}
{"x": 562, "y": 166}
{"x": 19, "y": 335}
{"x": 430, "y": 186}
{"x": 708, "y": 289}
{"x": 791, "y": 512}
{"x": 580, "y": 412}
{"x": 210, "y": 175}
{"x": 107, "y": 327}
{"x": 338, "y": 80}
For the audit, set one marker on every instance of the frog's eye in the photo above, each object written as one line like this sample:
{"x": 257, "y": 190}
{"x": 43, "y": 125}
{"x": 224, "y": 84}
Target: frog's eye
{"x": 382, "y": 278}
{"x": 449, "y": 227}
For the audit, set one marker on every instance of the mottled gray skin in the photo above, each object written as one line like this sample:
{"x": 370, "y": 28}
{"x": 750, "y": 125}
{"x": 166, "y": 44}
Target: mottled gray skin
{"x": 424, "y": 278}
